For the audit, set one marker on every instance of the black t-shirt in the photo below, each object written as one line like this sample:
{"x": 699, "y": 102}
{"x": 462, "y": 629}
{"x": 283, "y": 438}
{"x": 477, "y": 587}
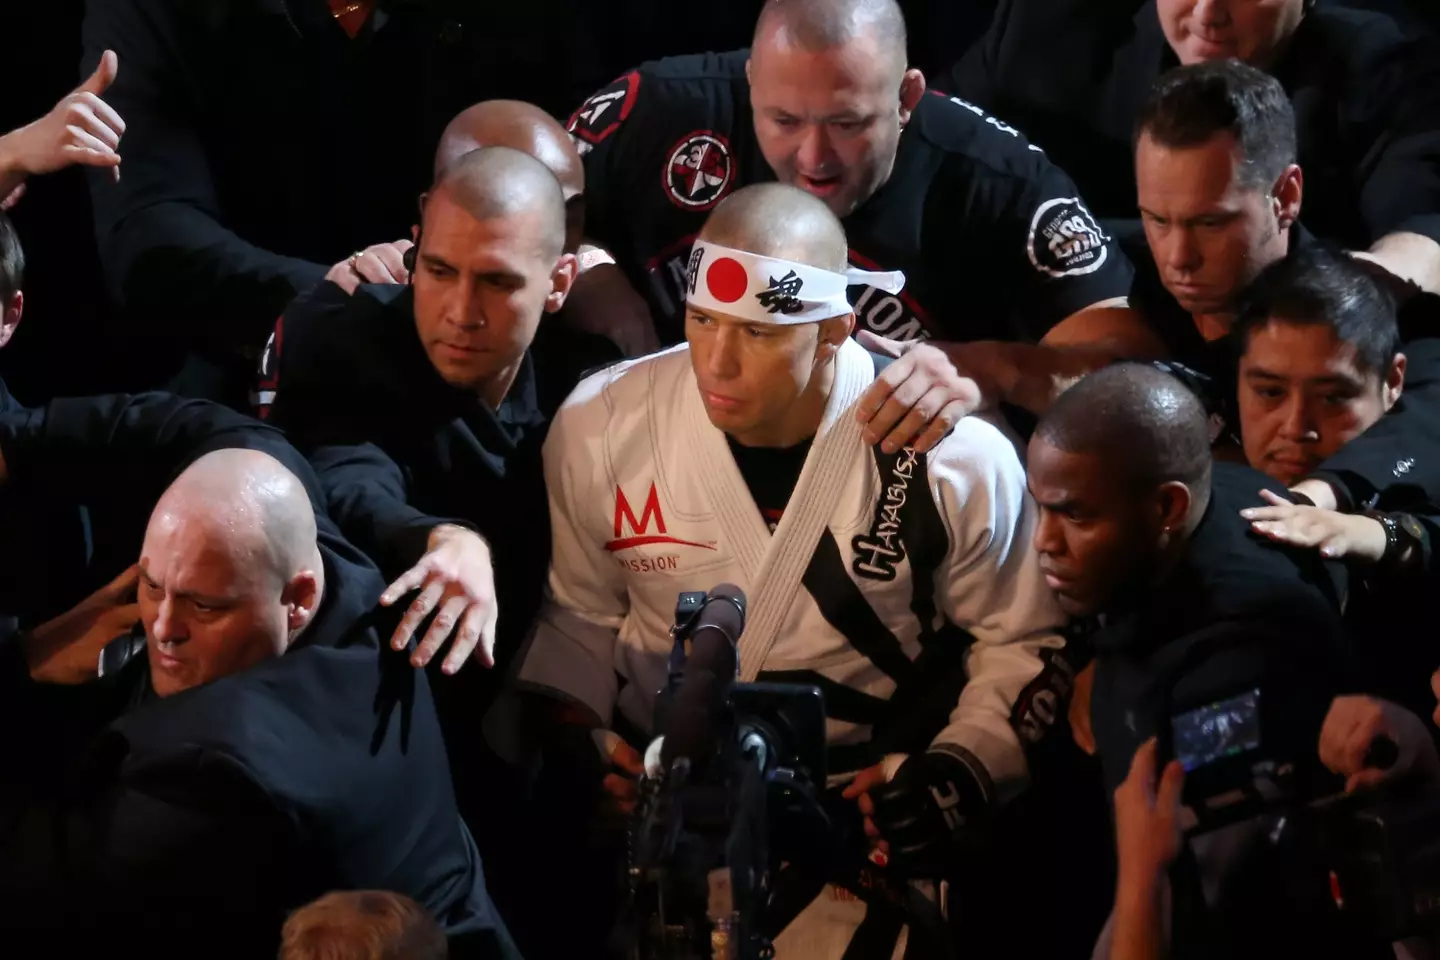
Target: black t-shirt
{"x": 1366, "y": 92}
{"x": 771, "y": 474}
{"x": 993, "y": 238}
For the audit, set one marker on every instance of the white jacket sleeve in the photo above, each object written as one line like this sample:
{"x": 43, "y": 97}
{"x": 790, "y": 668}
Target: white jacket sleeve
{"x": 991, "y": 586}
{"x": 571, "y": 648}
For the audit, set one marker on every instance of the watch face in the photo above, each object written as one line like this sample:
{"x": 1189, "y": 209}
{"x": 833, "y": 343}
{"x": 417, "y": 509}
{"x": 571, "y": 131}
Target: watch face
{"x": 1412, "y": 526}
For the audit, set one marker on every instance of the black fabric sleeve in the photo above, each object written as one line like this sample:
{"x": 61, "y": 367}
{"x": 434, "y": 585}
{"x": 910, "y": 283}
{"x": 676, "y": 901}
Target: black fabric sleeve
{"x": 1064, "y": 261}
{"x": 599, "y": 129}
{"x": 1396, "y": 461}
{"x": 89, "y": 448}
{"x": 165, "y": 250}
{"x": 1400, "y": 170}
{"x": 368, "y": 496}
{"x": 189, "y": 836}
{"x": 973, "y": 76}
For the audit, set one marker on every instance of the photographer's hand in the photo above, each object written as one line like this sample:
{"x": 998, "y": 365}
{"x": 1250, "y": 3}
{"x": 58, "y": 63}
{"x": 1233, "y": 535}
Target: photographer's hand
{"x": 1355, "y": 724}
{"x": 1147, "y": 841}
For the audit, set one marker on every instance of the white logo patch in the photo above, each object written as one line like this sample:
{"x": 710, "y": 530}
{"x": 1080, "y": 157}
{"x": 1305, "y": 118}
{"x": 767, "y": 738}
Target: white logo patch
{"x": 1065, "y": 240}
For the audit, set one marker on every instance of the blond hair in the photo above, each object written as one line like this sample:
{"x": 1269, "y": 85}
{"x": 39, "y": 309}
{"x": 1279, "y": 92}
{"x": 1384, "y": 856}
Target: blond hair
{"x": 362, "y": 925}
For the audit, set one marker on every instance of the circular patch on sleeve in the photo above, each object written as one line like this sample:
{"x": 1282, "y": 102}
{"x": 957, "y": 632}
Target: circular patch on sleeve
{"x": 1065, "y": 240}
{"x": 699, "y": 171}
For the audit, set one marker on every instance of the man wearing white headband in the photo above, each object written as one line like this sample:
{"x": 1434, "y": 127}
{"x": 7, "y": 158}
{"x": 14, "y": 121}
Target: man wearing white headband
{"x": 881, "y": 578}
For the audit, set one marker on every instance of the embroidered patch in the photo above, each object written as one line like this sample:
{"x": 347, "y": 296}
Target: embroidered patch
{"x": 699, "y": 171}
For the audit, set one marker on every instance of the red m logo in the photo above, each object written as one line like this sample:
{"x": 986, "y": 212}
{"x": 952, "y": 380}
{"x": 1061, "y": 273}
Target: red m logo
{"x": 639, "y": 529}
{"x": 623, "y": 512}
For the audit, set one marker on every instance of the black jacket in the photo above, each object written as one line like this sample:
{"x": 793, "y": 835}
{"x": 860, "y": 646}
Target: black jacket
{"x": 1237, "y": 614}
{"x": 263, "y": 145}
{"x": 161, "y": 825}
{"x": 1366, "y": 89}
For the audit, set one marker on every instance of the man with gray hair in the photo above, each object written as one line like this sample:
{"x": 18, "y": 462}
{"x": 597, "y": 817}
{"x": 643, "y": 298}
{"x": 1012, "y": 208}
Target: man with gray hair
{"x": 247, "y": 747}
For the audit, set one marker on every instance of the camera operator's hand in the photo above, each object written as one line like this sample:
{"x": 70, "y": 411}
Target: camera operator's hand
{"x": 623, "y": 787}
{"x": 931, "y": 803}
{"x": 1147, "y": 817}
{"x": 1356, "y": 724}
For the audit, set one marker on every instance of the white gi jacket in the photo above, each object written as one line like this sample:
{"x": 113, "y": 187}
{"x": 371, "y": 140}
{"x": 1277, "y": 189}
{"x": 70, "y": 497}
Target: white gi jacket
{"x": 646, "y": 502}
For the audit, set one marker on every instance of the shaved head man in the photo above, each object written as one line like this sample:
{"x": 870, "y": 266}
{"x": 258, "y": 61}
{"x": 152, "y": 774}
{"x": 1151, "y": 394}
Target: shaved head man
{"x": 1120, "y": 468}
{"x": 831, "y": 92}
{"x": 766, "y": 384}
{"x": 490, "y": 264}
{"x": 230, "y": 573}
{"x": 524, "y": 127}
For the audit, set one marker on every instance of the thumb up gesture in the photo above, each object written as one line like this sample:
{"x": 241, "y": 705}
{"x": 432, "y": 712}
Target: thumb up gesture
{"x": 82, "y": 128}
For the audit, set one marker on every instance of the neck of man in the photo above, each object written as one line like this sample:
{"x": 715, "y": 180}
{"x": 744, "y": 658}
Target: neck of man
{"x": 800, "y": 422}
{"x": 494, "y": 390}
{"x": 1168, "y": 556}
{"x": 1214, "y": 326}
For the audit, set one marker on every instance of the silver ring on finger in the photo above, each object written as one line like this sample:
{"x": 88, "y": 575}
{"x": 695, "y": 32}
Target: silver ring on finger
{"x": 355, "y": 260}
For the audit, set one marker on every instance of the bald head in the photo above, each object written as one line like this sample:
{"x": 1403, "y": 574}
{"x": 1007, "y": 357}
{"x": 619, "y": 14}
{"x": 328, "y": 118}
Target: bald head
{"x": 251, "y": 502}
{"x": 775, "y": 220}
{"x": 230, "y": 572}
{"x": 498, "y": 183}
{"x": 816, "y": 25}
{"x": 519, "y": 126}
{"x": 1143, "y": 424}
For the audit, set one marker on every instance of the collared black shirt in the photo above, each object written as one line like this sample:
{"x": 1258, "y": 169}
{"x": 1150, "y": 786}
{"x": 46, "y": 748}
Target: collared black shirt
{"x": 994, "y": 239}
{"x": 1366, "y": 92}
{"x": 398, "y": 450}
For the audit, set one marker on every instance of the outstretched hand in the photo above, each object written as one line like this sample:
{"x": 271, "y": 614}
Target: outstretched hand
{"x": 455, "y": 577}
{"x": 1339, "y": 536}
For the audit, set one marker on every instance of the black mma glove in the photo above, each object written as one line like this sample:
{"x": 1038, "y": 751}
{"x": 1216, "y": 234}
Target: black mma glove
{"x": 928, "y": 811}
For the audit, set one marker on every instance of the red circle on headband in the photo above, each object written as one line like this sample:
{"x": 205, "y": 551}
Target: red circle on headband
{"x": 727, "y": 280}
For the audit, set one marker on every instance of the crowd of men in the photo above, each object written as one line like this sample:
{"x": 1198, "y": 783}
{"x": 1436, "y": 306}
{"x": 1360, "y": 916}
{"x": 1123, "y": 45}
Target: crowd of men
{"x": 1038, "y": 406}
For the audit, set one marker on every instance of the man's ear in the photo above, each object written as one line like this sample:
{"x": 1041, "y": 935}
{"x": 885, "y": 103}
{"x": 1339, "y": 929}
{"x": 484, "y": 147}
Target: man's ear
{"x": 912, "y": 89}
{"x": 1287, "y": 196}
{"x": 1172, "y": 507}
{"x": 301, "y": 598}
{"x": 10, "y": 316}
{"x": 833, "y": 334}
{"x": 562, "y": 279}
{"x": 1394, "y": 382}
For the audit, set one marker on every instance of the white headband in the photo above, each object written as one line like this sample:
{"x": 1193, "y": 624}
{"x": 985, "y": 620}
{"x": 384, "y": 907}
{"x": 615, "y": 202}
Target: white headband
{"x": 766, "y": 290}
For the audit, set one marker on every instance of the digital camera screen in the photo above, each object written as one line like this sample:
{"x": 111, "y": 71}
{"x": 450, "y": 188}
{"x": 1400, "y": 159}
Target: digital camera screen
{"x": 1221, "y": 729}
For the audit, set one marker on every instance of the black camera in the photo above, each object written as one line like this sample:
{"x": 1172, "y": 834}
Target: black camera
{"x": 1381, "y": 850}
{"x": 732, "y": 787}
